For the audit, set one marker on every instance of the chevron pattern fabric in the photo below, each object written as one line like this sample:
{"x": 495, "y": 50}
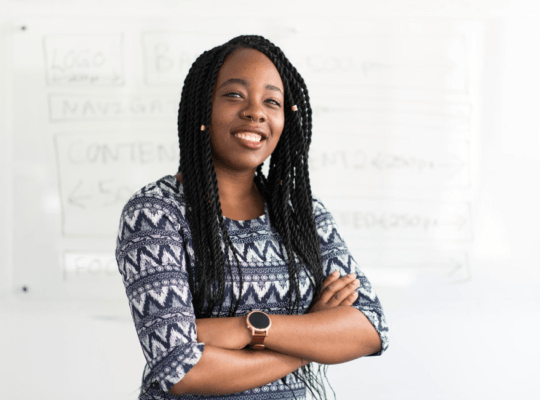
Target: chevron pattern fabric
{"x": 154, "y": 254}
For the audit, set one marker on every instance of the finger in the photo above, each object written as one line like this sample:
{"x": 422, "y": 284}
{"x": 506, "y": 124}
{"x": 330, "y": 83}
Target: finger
{"x": 344, "y": 293}
{"x": 329, "y": 279}
{"x": 334, "y": 276}
{"x": 349, "y": 301}
{"x": 335, "y": 287}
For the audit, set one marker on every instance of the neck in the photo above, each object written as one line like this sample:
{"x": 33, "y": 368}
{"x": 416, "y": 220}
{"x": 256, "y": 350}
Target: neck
{"x": 239, "y": 197}
{"x": 232, "y": 187}
{"x": 235, "y": 188}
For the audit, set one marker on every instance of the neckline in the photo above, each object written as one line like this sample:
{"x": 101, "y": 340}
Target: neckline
{"x": 261, "y": 219}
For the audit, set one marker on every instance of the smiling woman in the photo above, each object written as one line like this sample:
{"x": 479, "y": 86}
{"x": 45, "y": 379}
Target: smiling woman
{"x": 247, "y": 119}
{"x": 238, "y": 281}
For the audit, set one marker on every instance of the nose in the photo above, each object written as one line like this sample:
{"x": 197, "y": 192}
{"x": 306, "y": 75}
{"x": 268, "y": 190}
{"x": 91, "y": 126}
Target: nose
{"x": 254, "y": 113}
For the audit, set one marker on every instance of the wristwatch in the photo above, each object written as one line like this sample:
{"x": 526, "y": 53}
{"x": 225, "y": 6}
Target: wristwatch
{"x": 258, "y": 323}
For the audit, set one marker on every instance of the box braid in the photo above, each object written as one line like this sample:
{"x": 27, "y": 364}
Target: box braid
{"x": 286, "y": 190}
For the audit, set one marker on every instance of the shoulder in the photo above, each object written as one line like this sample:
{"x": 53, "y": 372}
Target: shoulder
{"x": 318, "y": 206}
{"x": 320, "y": 212}
{"x": 159, "y": 200}
{"x": 166, "y": 190}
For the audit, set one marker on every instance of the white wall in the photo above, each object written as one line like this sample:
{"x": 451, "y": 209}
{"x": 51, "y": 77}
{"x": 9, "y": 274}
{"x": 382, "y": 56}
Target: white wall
{"x": 6, "y": 268}
{"x": 437, "y": 103}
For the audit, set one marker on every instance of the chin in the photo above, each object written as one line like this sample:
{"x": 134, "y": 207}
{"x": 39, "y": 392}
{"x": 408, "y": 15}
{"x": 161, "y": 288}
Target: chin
{"x": 237, "y": 165}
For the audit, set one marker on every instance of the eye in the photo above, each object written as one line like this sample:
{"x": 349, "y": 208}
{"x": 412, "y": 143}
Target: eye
{"x": 232, "y": 94}
{"x": 275, "y": 102}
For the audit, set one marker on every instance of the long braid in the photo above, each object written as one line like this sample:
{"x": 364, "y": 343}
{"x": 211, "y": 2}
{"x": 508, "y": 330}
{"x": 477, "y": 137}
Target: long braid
{"x": 301, "y": 203}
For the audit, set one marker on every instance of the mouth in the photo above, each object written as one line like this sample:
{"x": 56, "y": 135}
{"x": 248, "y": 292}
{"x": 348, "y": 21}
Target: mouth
{"x": 250, "y": 136}
{"x": 249, "y": 139}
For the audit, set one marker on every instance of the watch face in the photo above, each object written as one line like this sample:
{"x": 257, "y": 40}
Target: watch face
{"x": 258, "y": 320}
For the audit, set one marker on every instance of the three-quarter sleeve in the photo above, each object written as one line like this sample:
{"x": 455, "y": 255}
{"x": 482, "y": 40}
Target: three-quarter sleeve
{"x": 336, "y": 256}
{"x": 151, "y": 256}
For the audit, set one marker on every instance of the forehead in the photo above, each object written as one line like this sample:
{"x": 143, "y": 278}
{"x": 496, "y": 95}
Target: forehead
{"x": 250, "y": 65}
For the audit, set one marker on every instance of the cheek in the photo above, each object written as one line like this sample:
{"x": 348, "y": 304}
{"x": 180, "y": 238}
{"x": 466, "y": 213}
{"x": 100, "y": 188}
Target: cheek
{"x": 278, "y": 126}
{"x": 277, "y": 121}
{"x": 222, "y": 116}
{"x": 281, "y": 122}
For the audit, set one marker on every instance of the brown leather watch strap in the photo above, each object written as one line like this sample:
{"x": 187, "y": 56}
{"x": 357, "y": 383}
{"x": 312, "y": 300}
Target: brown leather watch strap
{"x": 257, "y": 341}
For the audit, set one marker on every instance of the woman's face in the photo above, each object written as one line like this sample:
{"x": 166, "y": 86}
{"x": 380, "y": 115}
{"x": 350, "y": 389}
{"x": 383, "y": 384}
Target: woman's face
{"x": 247, "y": 111}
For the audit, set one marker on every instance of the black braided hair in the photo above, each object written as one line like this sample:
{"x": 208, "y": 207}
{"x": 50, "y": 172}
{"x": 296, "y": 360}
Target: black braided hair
{"x": 286, "y": 190}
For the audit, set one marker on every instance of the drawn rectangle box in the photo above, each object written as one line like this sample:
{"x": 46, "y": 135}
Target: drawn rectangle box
{"x": 405, "y": 267}
{"x": 377, "y": 221}
{"x": 98, "y": 172}
{"x": 403, "y": 117}
{"x": 80, "y": 107}
{"x": 394, "y": 60}
{"x": 387, "y": 163}
{"x": 169, "y": 55}
{"x": 84, "y": 60}
{"x": 81, "y": 265}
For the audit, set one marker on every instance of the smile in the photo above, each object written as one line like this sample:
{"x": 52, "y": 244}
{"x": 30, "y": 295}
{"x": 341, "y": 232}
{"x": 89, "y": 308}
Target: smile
{"x": 250, "y": 136}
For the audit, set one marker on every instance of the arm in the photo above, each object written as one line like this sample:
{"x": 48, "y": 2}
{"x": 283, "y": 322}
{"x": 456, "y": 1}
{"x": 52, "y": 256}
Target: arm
{"x": 327, "y": 337}
{"x": 337, "y": 335}
{"x": 221, "y": 371}
{"x": 151, "y": 256}
{"x": 333, "y": 332}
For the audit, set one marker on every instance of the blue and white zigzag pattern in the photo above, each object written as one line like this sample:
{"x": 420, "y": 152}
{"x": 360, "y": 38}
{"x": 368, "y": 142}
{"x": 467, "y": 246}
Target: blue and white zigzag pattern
{"x": 154, "y": 254}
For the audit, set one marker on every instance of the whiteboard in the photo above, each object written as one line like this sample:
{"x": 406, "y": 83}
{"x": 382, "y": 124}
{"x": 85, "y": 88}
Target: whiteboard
{"x": 395, "y": 142}
{"x": 426, "y": 149}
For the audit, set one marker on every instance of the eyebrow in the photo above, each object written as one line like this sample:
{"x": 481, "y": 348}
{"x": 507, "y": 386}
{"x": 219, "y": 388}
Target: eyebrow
{"x": 243, "y": 82}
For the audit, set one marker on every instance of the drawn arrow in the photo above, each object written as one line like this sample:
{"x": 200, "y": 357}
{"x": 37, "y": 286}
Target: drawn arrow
{"x": 448, "y": 267}
{"x": 75, "y": 199}
{"x": 455, "y": 166}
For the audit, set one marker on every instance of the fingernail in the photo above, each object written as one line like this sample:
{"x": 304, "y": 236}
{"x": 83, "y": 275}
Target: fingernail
{"x": 336, "y": 272}
{"x": 352, "y": 275}
{"x": 357, "y": 282}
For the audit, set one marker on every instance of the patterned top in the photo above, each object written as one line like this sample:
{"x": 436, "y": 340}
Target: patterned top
{"x": 154, "y": 252}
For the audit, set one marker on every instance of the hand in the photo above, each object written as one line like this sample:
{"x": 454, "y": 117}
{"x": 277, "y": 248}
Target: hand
{"x": 228, "y": 333}
{"x": 336, "y": 292}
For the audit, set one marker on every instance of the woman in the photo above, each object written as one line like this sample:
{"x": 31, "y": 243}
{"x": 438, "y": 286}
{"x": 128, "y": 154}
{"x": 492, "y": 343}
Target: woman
{"x": 221, "y": 239}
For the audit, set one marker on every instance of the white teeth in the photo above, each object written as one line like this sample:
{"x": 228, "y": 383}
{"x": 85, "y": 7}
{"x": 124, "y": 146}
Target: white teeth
{"x": 252, "y": 137}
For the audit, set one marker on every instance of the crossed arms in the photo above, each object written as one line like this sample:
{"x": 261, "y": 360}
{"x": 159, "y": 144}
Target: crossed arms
{"x": 332, "y": 332}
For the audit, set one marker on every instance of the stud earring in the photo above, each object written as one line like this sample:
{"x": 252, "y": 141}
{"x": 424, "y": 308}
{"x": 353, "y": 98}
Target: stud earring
{"x": 244, "y": 114}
